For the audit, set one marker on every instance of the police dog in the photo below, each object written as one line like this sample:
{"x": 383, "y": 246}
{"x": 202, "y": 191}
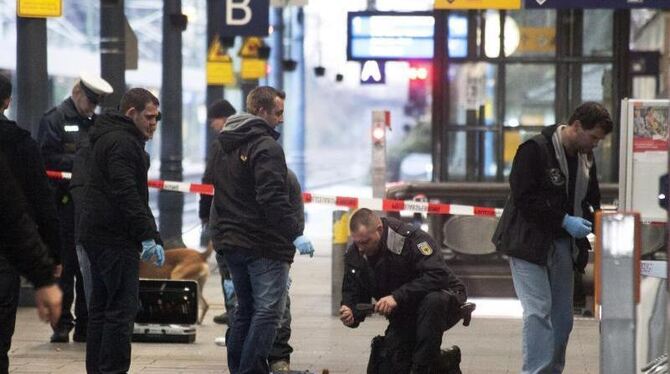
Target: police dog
{"x": 182, "y": 264}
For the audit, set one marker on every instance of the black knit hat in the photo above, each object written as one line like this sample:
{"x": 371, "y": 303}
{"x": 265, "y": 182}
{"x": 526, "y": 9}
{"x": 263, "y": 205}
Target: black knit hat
{"x": 220, "y": 108}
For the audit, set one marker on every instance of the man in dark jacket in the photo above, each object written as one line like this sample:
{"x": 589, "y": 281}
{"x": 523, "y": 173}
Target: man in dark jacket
{"x": 23, "y": 157}
{"x": 217, "y": 115}
{"x": 401, "y": 267}
{"x": 116, "y": 225}
{"x": 554, "y": 192}
{"x": 254, "y": 226}
{"x": 58, "y": 134}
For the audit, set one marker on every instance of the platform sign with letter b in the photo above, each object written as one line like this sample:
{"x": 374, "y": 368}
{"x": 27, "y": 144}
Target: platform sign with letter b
{"x": 245, "y": 18}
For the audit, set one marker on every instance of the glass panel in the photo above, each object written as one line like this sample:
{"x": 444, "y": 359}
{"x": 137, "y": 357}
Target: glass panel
{"x": 471, "y": 86}
{"x": 457, "y": 45}
{"x": 597, "y": 82}
{"x": 536, "y": 31}
{"x": 598, "y": 25}
{"x": 529, "y": 95}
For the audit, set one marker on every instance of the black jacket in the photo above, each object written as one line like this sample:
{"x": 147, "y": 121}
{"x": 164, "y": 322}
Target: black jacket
{"x": 20, "y": 243}
{"x": 251, "y": 204}
{"x": 538, "y": 202}
{"x": 409, "y": 266}
{"x": 58, "y": 134}
{"x": 116, "y": 198}
{"x": 205, "y": 204}
{"x": 23, "y": 157}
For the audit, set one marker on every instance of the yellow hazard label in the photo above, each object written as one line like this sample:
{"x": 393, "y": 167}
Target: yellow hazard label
{"x": 216, "y": 52}
{"x": 477, "y": 4}
{"x": 250, "y": 47}
{"x": 253, "y": 68}
{"x": 220, "y": 73}
{"x": 341, "y": 229}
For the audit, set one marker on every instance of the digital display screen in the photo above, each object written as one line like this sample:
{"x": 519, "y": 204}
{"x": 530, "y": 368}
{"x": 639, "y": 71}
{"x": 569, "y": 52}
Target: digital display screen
{"x": 167, "y": 302}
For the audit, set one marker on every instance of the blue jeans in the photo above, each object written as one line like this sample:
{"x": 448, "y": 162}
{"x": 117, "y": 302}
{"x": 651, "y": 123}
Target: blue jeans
{"x": 229, "y": 298}
{"x": 85, "y": 268}
{"x": 260, "y": 285}
{"x": 113, "y": 307}
{"x": 545, "y": 293}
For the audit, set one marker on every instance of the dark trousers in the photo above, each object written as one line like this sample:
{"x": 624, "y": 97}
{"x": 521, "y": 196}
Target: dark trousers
{"x": 112, "y": 309}
{"x": 414, "y": 339}
{"x": 71, "y": 281}
{"x": 281, "y": 349}
{"x": 9, "y": 300}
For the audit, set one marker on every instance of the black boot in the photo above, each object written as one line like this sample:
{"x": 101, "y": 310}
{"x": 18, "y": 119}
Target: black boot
{"x": 221, "y": 319}
{"x": 449, "y": 362}
{"x": 61, "y": 334}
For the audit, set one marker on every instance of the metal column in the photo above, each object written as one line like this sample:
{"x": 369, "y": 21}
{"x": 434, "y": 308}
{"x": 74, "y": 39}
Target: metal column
{"x": 214, "y": 13}
{"x": 296, "y": 98}
{"x": 32, "y": 79}
{"x": 171, "y": 204}
{"x": 113, "y": 49}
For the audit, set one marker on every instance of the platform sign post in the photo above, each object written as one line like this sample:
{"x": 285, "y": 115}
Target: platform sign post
{"x": 381, "y": 119}
{"x": 617, "y": 277}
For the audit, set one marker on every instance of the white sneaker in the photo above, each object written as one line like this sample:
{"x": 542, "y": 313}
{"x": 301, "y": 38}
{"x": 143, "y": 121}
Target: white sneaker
{"x": 220, "y": 341}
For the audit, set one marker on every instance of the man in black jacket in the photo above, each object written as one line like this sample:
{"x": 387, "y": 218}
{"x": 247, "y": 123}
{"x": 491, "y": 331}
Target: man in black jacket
{"x": 401, "y": 267}
{"x": 25, "y": 163}
{"x": 116, "y": 225}
{"x": 554, "y": 192}
{"x": 217, "y": 115}
{"x": 254, "y": 226}
{"x": 58, "y": 134}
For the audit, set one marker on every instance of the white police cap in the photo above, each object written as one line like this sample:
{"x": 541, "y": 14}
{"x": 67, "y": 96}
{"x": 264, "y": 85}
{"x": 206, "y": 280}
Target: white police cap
{"x": 95, "y": 87}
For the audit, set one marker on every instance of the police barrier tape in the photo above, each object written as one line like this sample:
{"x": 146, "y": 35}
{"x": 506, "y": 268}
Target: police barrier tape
{"x": 385, "y": 205}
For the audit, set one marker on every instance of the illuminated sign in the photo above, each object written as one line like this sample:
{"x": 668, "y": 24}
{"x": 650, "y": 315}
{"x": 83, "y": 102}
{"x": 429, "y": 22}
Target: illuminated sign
{"x": 390, "y": 36}
{"x": 373, "y": 72}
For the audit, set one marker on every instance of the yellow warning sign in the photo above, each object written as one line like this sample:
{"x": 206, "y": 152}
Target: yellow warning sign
{"x": 39, "y": 8}
{"x": 250, "y": 47}
{"x": 217, "y": 52}
{"x": 253, "y": 68}
{"x": 220, "y": 74}
{"x": 477, "y": 4}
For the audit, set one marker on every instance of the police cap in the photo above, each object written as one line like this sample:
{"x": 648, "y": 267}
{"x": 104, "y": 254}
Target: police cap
{"x": 95, "y": 88}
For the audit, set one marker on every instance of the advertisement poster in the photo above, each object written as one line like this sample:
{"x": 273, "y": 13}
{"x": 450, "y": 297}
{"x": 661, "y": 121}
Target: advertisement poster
{"x": 650, "y": 127}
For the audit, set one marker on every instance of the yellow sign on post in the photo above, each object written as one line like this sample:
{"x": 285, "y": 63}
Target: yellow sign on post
{"x": 219, "y": 65}
{"x": 477, "y": 4}
{"x": 39, "y": 8}
{"x": 253, "y": 68}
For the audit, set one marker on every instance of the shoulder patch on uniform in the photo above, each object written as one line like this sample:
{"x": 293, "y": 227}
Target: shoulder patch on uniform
{"x": 395, "y": 241}
{"x": 425, "y": 248}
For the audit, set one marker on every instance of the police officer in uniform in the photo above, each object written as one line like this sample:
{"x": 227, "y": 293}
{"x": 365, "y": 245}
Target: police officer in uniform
{"x": 59, "y": 132}
{"x": 400, "y": 266}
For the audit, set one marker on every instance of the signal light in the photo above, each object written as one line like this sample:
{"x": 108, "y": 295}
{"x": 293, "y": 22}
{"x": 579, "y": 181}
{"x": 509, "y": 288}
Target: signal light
{"x": 378, "y": 134}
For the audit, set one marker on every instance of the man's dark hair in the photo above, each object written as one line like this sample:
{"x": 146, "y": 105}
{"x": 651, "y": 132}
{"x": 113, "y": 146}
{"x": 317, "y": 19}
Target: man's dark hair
{"x": 137, "y": 98}
{"x": 591, "y": 114}
{"x": 263, "y": 97}
{"x": 5, "y": 87}
{"x": 362, "y": 217}
{"x": 220, "y": 108}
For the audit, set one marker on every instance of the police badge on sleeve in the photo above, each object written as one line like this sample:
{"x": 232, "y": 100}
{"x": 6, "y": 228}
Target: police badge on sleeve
{"x": 425, "y": 248}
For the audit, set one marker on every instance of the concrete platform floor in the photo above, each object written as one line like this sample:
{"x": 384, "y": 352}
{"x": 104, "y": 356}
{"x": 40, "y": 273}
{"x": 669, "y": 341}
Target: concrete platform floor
{"x": 490, "y": 345}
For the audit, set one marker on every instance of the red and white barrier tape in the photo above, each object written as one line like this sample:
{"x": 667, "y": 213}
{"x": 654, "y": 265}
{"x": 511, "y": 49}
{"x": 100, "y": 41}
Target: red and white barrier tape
{"x": 385, "y": 205}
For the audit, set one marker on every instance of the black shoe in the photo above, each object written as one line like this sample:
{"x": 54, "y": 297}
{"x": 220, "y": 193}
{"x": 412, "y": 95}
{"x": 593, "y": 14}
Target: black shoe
{"x": 61, "y": 335}
{"x": 221, "y": 319}
{"x": 79, "y": 335}
{"x": 450, "y": 360}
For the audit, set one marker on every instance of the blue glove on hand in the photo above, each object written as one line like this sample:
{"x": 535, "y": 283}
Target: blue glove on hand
{"x": 577, "y": 227}
{"x": 151, "y": 249}
{"x": 304, "y": 246}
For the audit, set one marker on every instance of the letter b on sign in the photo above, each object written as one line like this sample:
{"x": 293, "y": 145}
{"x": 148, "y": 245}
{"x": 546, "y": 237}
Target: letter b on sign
{"x": 245, "y": 18}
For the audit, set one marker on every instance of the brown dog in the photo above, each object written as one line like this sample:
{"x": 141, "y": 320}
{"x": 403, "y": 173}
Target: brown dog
{"x": 182, "y": 264}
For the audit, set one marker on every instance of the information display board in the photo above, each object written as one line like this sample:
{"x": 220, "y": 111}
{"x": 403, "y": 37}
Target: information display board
{"x": 643, "y": 156}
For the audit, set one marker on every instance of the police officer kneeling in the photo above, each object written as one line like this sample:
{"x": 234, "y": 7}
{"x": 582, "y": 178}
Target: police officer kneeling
{"x": 398, "y": 264}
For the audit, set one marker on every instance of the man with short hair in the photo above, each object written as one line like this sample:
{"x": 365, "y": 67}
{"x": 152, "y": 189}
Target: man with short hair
{"x": 254, "y": 225}
{"x": 59, "y": 131}
{"x": 401, "y": 267}
{"x": 543, "y": 229}
{"x": 117, "y": 225}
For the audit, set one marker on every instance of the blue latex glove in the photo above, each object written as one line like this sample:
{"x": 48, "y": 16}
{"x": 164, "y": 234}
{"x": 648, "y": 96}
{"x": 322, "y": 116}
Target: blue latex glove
{"x": 151, "y": 249}
{"x": 304, "y": 246}
{"x": 577, "y": 227}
